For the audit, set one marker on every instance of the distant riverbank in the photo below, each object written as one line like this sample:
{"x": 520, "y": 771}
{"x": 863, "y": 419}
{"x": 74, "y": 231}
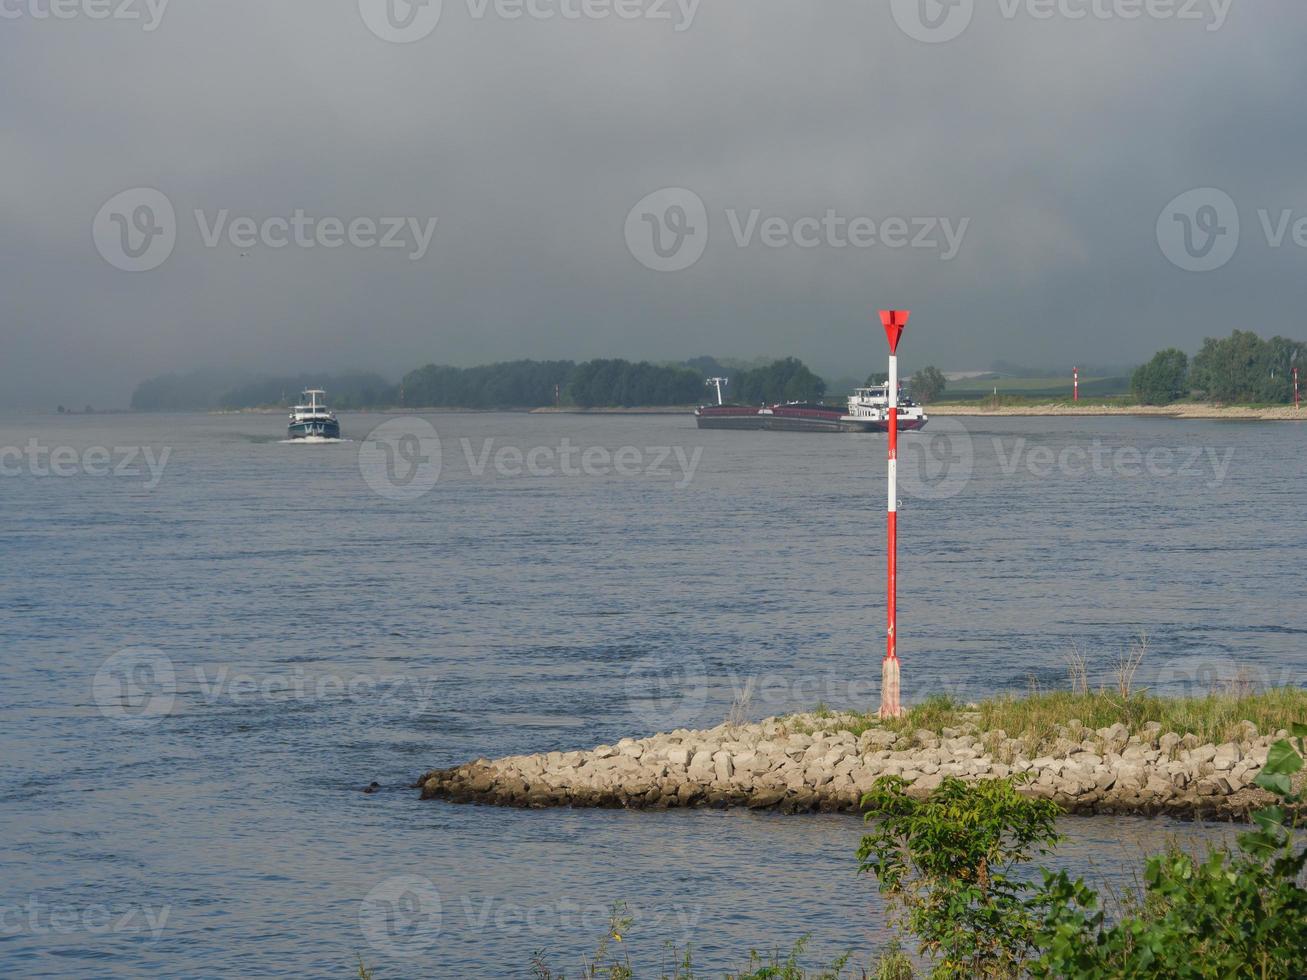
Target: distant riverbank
{"x": 646, "y": 410}
{"x": 448, "y": 410}
{"x": 1281, "y": 413}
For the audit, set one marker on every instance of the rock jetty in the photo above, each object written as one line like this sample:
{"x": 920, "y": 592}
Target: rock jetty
{"x": 807, "y": 763}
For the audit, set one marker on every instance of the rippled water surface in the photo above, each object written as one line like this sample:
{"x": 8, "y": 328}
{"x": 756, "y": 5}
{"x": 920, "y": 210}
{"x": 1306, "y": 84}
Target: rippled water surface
{"x": 321, "y": 635}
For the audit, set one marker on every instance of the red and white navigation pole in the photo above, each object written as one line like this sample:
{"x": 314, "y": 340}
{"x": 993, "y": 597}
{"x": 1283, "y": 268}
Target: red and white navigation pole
{"x": 1297, "y": 405}
{"x": 894, "y": 321}
{"x": 1077, "y": 384}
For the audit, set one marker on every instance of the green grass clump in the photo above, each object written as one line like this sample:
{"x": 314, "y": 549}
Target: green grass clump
{"x": 1214, "y": 718}
{"x": 1039, "y": 718}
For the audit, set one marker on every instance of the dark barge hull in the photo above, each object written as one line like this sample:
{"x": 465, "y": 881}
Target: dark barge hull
{"x": 790, "y": 419}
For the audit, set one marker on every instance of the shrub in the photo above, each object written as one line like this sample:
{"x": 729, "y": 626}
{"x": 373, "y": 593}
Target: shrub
{"x": 946, "y": 861}
{"x": 1240, "y": 914}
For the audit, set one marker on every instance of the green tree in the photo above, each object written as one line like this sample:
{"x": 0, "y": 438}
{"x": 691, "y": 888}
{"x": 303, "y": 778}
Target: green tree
{"x": 509, "y": 384}
{"x": 619, "y": 382}
{"x": 786, "y": 380}
{"x": 1245, "y": 368}
{"x": 928, "y": 384}
{"x": 1162, "y": 380}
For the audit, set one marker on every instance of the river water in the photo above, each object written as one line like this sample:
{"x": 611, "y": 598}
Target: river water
{"x": 213, "y": 640}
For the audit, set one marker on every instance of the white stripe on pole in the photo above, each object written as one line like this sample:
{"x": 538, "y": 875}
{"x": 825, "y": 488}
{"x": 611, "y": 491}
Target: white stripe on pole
{"x": 893, "y": 462}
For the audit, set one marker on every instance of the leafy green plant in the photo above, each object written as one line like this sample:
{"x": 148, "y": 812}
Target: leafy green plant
{"x": 946, "y": 863}
{"x": 1240, "y": 914}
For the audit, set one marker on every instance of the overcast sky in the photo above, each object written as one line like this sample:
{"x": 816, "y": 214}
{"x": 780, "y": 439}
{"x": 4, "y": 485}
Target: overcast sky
{"x": 1050, "y": 149}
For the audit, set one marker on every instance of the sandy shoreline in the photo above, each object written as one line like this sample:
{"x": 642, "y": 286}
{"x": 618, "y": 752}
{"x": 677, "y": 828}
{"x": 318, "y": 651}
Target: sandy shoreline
{"x": 1285, "y": 413}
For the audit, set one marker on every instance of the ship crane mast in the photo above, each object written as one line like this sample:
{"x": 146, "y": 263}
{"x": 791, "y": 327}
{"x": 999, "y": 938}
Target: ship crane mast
{"x": 717, "y": 383}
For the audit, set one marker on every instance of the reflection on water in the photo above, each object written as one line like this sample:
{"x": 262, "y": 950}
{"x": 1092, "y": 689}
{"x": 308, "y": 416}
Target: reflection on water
{"x": 320, "y": 636}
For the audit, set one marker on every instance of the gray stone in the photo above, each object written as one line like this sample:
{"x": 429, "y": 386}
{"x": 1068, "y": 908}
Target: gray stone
{"x": 1202, "y": 753}
{"x": 723, "y": 768}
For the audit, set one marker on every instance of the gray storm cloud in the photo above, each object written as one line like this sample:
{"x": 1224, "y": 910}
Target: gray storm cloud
{"x": 523, "y": 134}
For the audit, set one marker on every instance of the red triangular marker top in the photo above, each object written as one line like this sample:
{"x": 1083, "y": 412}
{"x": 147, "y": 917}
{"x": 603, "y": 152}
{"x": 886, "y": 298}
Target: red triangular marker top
{"x": 894, "y": 321}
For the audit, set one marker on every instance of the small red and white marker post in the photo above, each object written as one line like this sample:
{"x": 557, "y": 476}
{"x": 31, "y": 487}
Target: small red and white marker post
{"x": 894, "y": 321}
{"x": 1297, "y": 405}
{"x": 1077, "y": 384}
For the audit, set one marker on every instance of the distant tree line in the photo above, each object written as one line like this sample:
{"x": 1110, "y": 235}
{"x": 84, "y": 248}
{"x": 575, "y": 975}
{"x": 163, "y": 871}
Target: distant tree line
{"x": 345, "y": 391}
{"x": 1240, "y": 368}
{"x": 617, "y": 382}
{"x": 510, "y": 384}
{"x": 192, "y": 392}
{"x": 787, "y": 380}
